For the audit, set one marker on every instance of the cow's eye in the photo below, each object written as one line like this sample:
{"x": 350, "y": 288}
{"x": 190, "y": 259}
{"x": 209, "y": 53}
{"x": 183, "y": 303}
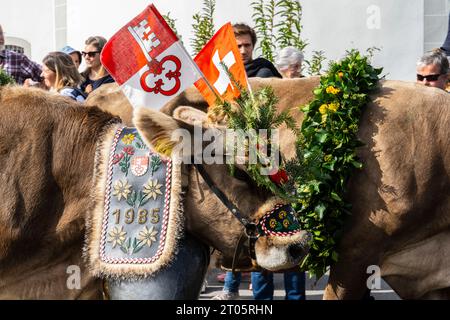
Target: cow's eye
{"x": 241, "y": 175}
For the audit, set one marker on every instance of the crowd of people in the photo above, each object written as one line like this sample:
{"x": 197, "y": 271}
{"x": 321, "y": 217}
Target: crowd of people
{"x": 59, "y": 72}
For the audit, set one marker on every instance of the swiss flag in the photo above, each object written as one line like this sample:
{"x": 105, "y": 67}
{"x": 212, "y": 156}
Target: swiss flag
{"x": 148, "y": 61}
{"x": 221, "y": 48}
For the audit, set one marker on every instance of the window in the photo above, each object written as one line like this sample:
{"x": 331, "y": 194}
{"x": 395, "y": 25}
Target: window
{"x": 60, "y": 7}
{"x": 14, "y": 48}
{"x": 435, "y": 23}
{"x": 18, "y": 45}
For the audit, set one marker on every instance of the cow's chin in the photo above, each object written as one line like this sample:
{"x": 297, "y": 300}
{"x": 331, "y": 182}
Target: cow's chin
{"x": 279, "y": 253}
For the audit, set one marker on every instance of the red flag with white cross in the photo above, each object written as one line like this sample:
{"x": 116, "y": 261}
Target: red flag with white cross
{"x": 222, "y": 48}
{"x": 148, "y": 61}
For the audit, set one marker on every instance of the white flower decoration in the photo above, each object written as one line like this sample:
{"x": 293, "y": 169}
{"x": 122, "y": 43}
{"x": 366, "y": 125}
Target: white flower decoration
{"x": 121, "y": 189}
{"x": 148, "y": 236}
{"x": 152, "y": 189}
{"x": 117, "y": 236}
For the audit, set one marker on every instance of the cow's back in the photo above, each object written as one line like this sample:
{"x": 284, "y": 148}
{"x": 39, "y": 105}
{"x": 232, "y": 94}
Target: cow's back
{"x": 401, "y": 201}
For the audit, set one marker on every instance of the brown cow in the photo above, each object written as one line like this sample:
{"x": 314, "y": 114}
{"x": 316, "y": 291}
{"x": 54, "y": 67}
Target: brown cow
{"x": 401, "y": 199}
{"x": 47, "y": 148}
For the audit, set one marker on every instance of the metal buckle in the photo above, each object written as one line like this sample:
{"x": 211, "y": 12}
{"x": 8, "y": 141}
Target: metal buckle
{"x": 251, "y": 230}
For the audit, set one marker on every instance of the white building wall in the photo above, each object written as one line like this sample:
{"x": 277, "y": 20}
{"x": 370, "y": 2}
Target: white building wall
{"x": 394, "y": 26}
{"x": 402, "y": 29}
{"x": 31, "y": 21}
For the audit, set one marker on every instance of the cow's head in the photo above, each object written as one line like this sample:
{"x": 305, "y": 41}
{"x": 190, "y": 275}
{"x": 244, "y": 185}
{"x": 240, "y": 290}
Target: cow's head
{"x": 209, "y": 214}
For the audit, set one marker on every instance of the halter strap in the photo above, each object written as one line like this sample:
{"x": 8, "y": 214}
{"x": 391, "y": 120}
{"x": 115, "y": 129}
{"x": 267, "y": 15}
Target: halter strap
{"x": 251, "y": 229}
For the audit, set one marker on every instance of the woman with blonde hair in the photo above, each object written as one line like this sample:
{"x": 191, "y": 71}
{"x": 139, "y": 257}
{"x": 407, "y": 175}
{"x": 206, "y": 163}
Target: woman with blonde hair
{"x": 61, "y": 75}
{"x": 95, "y": 74}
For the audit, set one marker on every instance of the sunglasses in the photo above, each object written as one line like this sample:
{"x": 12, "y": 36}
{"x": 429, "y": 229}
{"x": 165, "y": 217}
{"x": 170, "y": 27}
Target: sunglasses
{"x": 91, "y": 54}
{"x": 430, "y": 77}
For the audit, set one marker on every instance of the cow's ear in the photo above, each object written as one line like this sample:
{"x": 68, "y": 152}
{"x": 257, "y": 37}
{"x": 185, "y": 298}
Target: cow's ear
{"x": 157, "y": 129}
{"x": 189, "y": 115}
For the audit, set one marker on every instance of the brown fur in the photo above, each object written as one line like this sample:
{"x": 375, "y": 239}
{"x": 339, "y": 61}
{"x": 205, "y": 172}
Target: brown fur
{"x": 110, "y": 98}
{"x": 47, "y": 149}
{"x": 41, "y": 235}
{"x": 206, "y": 216}
{"x": 401, "y": 203}
{"x": 401, "y": 199}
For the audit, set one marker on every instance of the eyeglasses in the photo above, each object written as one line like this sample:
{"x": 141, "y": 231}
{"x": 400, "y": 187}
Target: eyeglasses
{"x": 430, "y": 77}
{"x": 91, "y": 54}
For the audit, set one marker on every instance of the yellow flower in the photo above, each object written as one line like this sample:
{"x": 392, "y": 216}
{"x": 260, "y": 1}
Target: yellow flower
{"x": 333, "y": 107}
{"x": 121, "y": 189}
{"x": 148, "y": 236}
{"x": 272, "y": 223}
{"x": 332, "y": 90}
{"x": 340, "y": 74}
{"x": 152, "y": 189}
{"x": 117, "y": 236}
{"x": 286, "y": 223}
{"x": 304, "y": 189}
{"x": 323, "y": 109}
{"x": 282, "y": 214}
{"x": 304, "y": 203}
{"x": 324, "y": 118}
{"x": 128, "y": 139}
{"x": 328, "y": 158}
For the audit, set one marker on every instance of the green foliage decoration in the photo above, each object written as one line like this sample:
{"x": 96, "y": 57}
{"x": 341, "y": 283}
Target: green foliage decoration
{"x": 327, "y": 149}
{"x": 250, "y": 113}
{"x": 5, "y": 78}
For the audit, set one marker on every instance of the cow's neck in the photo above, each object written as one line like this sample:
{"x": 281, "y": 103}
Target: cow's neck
{"x": 207, "y": 217}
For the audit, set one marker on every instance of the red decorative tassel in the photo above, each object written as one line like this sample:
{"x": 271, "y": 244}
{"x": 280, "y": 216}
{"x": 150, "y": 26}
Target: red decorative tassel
{"x": 280, "y": 177}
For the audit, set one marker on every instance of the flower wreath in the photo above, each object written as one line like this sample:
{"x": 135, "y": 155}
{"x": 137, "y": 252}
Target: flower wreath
{"x": 315, "y": 180}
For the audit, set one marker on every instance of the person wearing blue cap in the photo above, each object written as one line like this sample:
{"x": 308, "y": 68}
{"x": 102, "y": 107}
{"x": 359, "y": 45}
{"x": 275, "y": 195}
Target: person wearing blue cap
{"x": 74, "y": 54}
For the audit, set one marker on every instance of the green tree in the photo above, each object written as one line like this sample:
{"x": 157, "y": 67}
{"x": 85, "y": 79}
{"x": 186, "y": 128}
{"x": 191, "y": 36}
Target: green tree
{"x": 203, "y": 25}
{"x": 171, "y": 22}
{"x": 287, "y": 32}
{"x": 264, "y": 17}
{"x": 315, "y": 65}
{"x": 290, "y": 28}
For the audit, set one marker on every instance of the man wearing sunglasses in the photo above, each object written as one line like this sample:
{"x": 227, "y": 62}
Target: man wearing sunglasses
{"x": 433, "y": 69}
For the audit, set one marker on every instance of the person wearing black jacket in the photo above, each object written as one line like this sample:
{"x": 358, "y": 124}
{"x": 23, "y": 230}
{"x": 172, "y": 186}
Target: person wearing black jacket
{"x": 246, "y": 41}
